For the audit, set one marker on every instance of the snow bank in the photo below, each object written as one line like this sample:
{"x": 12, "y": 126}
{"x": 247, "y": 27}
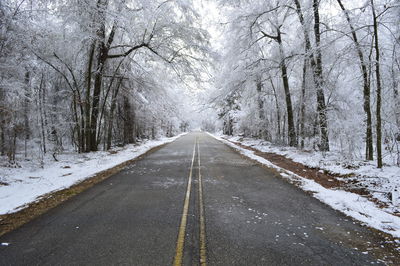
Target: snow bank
{"x": 348, "y": 203}
{"x": 26, "y": 184}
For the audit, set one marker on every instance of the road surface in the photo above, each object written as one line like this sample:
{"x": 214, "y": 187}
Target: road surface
{"x": 234, "y": 212}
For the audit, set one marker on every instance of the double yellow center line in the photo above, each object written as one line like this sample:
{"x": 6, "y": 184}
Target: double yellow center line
{"x": 180, "y": 243}
{"x": 202, "y": 223}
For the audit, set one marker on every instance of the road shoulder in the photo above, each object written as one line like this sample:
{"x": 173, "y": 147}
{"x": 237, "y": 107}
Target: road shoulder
{"x": 43, "y": 203}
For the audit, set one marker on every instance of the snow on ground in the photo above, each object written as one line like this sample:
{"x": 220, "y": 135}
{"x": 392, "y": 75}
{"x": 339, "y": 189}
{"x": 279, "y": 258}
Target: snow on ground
{"x": 28, "y": 183}
{"x": 351, "y": 204}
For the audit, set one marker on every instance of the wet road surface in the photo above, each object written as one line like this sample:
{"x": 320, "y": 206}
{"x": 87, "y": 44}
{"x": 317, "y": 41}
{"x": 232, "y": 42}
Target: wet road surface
{"x": 194, "y": 201}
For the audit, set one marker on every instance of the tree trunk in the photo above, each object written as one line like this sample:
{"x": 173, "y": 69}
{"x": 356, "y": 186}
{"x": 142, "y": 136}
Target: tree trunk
{"x": 378, "y": 90}
{"x": 278, "y": 113}
{"x": 262, "y": 132}
{"x": 289, "y": 107}
{"x": 395, "y": 87}
{"x": 106, "y": 95}
{"x": 97, "y": 89}
{"x": 13, "y": 147}
{"x": 308, "y": 59}
{"x": 111, "y": 115}
{"x": 2, "y": 122}
{"x": 319, "y": 82}
{"x": 26, "y": 111}
{"x": 101, "y": 55}
{"x": 369, "y": 151}
{"x": 230, "y": 126}
{"x": 128, "y": 121}
{"x": 302, "y": 104}
{"x": 86, "y": 139}
{"x": 41, "y": 113}
{"x": 76, "y": 117}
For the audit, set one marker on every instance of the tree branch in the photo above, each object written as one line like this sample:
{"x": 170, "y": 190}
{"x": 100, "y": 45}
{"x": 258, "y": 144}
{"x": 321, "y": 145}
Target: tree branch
{"x": 133, "y": 48}
{"x": 269, "y": 36}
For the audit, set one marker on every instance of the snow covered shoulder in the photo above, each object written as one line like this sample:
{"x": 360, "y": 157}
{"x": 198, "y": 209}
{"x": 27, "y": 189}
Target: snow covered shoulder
{"x": 21, "y": 186}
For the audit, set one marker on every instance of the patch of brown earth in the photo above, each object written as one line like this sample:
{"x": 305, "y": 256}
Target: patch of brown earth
{"x": 11, "y": 221}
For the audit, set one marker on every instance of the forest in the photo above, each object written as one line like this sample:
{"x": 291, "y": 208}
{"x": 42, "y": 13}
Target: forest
{"x": 316, "y": 75}
{"x": 89, "y": 75}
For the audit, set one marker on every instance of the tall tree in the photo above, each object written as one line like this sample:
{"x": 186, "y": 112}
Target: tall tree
{"x": 369, "y": 150}
{"x": 319, "y": 81}
{"x": 378, "y": 88}
{"x": 308, "y": 61}
{"x": 285, "y": 82}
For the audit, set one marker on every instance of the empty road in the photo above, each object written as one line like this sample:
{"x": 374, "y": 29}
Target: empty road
{"x": 194, "y": 201}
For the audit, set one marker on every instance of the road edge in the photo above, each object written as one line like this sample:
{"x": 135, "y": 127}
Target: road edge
{"x": 11, "y": 221}
{"x": 391, "y": 241}
{"x": 294, "y": 179}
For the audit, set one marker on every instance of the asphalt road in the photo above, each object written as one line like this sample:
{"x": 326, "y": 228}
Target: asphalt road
{"x": 250, "y": 216}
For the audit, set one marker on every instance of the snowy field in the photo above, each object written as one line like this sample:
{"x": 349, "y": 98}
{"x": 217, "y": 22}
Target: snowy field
{"x": 379, "y": 181}
{"x": 28, "y": 183}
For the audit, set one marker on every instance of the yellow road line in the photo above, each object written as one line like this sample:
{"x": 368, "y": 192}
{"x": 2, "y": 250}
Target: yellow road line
{"x": 203, "y": 251}
{"x": 182, "y": 228}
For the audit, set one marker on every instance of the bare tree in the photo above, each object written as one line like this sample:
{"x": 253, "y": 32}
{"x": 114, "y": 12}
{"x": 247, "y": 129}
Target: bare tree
{"x": 378, "y": 89}
{"x": 369, "y": 150}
